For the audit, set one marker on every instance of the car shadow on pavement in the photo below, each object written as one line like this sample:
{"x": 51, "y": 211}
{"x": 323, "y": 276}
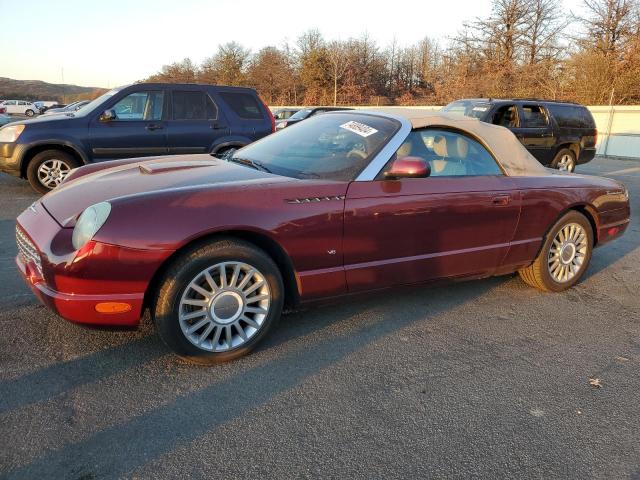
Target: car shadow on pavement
{"x": 59, "y": 378}
{"x": 314, "y": 340}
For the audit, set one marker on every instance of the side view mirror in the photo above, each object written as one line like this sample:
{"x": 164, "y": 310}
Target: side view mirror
{"x": 108, "y": 115}
{"x": 408, "y": 167}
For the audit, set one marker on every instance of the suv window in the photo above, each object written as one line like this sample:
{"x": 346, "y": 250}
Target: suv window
{"x": 571, "y": 116}
{"x": 450, "y": 154}
{"x": 193, "y": 106}
{"x": 506, "y": 116}
{"x": 243, "y": 104}
{"x": 534, "y": 116}
{"x": 140, "y": 106}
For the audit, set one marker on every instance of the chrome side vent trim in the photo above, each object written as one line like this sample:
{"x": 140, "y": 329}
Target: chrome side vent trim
{"x": 315, "y": 199}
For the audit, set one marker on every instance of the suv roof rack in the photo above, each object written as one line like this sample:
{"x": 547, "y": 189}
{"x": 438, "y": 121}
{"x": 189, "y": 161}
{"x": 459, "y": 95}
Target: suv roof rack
{"x": 543, "y": 100}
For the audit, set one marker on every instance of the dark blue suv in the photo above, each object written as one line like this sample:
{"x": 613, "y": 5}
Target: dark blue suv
{"x": 145, "y": 119}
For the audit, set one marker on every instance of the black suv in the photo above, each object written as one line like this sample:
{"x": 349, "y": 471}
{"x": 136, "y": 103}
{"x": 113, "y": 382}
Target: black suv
{"x": 138, "y": 120}
{"x": 559, "y": 134}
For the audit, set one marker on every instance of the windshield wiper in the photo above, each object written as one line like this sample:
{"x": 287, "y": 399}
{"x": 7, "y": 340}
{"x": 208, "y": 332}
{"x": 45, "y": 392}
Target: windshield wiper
{"x": 249, "y": 163}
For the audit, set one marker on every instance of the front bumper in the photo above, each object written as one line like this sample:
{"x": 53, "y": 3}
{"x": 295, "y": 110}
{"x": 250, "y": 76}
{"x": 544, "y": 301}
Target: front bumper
{"x": 76, "y": 284}
{"x": 80, "y": 308}
{"x": 10, "y": 158}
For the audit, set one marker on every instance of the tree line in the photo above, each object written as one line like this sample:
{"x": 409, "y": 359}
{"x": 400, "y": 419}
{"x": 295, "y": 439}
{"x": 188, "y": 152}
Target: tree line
{"x": 523, "y": 48}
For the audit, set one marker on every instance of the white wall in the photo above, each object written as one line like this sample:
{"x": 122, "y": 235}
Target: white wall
{"x": 618, "y": 129}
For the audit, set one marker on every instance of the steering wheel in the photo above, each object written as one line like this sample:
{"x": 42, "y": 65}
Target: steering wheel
{"x": 357, "y": 154}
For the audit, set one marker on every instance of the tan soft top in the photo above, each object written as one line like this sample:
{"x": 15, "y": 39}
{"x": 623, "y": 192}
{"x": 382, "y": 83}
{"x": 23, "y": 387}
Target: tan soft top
{"x": 513, "y": 157}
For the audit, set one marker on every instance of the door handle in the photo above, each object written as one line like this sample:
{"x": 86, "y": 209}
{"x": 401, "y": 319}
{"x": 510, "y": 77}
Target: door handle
{"x": 501, "y": 200}
{"x": 154, "y": 126}
{"x": 217, "y": 126}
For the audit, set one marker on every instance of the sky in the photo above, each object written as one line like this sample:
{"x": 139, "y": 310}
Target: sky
{"x": 106, "y": 43}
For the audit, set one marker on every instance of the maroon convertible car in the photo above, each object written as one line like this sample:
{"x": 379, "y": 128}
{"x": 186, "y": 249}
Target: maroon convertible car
{"x": 344, "y": 202}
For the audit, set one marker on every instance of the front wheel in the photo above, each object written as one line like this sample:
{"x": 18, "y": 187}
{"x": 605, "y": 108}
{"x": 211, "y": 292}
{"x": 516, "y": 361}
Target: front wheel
{"x": 217, "y": 301}
{"x": 48, "y": 169}
{"x": 564, "y": 257}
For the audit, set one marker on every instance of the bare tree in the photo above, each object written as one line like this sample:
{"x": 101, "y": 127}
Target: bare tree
{"x": 337, "y": 53}
{"x": 543, "y": 26}
{"x": 609, "y": 24}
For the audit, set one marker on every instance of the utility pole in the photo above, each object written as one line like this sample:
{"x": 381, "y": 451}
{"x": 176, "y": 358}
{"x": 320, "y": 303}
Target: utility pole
{"x": 62, "y": 75}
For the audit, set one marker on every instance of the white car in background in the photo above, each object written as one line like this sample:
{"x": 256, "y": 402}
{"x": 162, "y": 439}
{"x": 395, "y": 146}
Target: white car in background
{"x": 21, "y": 107}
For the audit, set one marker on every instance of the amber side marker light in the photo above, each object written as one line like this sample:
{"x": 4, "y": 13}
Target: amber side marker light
{"x": 113, "y": 307}
{"x": 612, "y": 231}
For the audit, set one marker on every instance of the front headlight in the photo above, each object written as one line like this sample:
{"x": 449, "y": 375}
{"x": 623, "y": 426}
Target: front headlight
{"x": 89, "y": 223}
{"x": 10, "y": 133}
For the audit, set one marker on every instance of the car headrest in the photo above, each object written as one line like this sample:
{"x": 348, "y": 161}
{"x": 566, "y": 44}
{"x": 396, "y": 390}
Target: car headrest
{"x": 404, "y": 150}
{"x": 450, "y": 147}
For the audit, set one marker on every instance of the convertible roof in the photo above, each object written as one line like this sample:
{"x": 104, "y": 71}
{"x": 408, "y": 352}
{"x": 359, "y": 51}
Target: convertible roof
{"x": 508, "y": 150}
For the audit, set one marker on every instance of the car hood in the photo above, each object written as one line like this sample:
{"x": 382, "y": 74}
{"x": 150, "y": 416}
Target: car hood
{"x": 149, "y": 176}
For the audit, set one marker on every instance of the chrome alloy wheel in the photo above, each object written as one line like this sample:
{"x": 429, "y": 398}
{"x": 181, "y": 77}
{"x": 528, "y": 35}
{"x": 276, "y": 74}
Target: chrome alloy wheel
{"x": 224, "y": 306}
{"x": 566, "y": 163}
{"x": 52, "y": 172}
{"x": 568, "y": 252}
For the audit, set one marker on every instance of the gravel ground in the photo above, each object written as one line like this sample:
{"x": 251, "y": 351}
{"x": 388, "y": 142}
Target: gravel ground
{"x": 486, "y": 379}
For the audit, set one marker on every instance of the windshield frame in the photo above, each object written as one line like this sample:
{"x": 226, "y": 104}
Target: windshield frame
{"x": 95, "y": 104}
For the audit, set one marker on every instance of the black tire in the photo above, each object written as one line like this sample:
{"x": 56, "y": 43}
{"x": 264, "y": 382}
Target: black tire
{"x": 178, "y": 276}
{"x": 29, "y": 113}
{"x": 41, "y": 158}
{"x": 538, "y": 274}
{"x": 565, "y": 159}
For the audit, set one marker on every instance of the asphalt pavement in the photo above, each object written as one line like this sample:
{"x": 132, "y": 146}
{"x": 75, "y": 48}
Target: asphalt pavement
{"x": 484, "y": 379}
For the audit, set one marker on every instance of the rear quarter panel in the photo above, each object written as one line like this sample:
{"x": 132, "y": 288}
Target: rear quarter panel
{"x": 546, "y": 199}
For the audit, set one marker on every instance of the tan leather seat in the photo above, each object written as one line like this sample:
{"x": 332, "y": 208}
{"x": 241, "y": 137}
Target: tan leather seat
{"x": 453, "y": 150}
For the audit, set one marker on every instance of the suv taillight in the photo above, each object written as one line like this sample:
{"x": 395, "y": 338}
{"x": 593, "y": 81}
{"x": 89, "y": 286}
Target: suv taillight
{"x": 595, "y": 137}
{"x": 3, "y": 109}
{"x": 271, "y": 117}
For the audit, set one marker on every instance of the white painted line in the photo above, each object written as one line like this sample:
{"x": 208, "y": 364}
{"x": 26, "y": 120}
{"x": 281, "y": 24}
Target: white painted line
{"x": 623, "y": 172}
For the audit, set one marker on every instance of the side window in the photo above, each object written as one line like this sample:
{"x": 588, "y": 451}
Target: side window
{"x": 243, "y": 104}
{"x": 140, "y": 106}
{"x": 193, "y": 105}
{"x": 534, "y": 116}
{"x": 449, "y": 153}
{"x": 506, "y": 116}
{"x": 569, "y": 116}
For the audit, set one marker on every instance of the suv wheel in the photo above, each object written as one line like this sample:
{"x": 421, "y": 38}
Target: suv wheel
{"x": 565, "y": 160}
{"x": 48, "y": 169}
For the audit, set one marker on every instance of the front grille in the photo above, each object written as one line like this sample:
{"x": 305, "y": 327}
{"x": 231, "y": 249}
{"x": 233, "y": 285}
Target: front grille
{"x": 27, "y": 250}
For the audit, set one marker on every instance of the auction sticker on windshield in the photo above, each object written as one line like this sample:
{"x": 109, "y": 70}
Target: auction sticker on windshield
{"x": 359, "y": 128}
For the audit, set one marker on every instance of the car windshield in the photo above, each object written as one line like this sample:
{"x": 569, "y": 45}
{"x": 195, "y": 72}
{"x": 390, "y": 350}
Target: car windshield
{"x": 93, "y": 104}
{"x": 331, "y": 147}
{"x": 468, "y": 108}
{"x": 300, "y": 114}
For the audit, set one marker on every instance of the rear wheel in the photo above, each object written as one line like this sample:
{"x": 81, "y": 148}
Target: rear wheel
{"x": 48, "y": 169}
{"x": 217, "y": 301}
{"x": 564, "y": 257}
{"x": 29, "y": 113}
{"x": 565, "y": 160}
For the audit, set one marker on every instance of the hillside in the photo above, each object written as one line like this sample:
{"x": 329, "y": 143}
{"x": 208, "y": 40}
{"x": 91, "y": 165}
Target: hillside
{"x": 39, "y": 90}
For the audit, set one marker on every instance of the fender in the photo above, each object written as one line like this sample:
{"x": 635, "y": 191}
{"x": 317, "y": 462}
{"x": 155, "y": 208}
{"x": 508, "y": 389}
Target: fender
{"x": 22, "y": 150}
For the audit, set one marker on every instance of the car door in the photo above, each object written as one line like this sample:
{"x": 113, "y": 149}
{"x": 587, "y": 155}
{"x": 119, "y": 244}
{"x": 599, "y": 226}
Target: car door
{"x": 457, "y": 222}
{"x": 194, "y": 122}
{"x": 535, "y": 131}
{"x": 138, "y": 129}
